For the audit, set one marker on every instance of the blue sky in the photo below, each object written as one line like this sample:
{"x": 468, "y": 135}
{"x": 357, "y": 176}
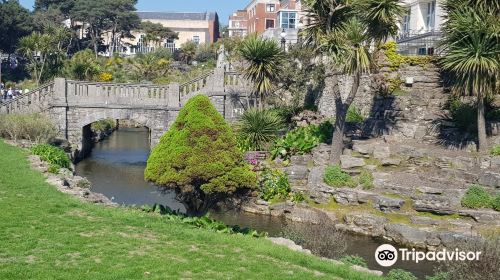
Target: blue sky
{"x": 223, "y": 7}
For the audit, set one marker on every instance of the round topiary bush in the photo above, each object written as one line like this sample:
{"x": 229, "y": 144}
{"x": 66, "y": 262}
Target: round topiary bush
{"x": 199, "y": 159}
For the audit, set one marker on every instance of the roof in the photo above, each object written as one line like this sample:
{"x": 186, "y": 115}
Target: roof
{"x": 177, "y": 16}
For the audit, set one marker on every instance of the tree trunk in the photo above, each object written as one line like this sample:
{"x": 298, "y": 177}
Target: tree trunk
{"x": 481, "y": 124}
{"x": 341, "y": 109}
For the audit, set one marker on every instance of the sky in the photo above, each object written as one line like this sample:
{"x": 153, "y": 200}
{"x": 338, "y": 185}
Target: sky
{"x": 223, "y": 7}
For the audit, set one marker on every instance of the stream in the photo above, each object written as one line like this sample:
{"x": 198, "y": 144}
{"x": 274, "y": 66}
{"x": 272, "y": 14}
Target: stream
{"x": 116, "y": 169}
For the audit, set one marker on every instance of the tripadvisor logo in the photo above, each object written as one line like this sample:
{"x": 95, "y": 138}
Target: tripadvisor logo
{"x": 387, "y": 255}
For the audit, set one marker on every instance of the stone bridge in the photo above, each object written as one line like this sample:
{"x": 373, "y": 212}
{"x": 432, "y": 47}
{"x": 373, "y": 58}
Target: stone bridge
{"x": 75, "y": 105}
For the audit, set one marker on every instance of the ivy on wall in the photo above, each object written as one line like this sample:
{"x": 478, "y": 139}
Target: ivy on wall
{"x": 397, "y": 59}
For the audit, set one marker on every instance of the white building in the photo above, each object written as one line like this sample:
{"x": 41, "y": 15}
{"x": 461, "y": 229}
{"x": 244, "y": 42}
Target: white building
{"x": 420, "y": 28}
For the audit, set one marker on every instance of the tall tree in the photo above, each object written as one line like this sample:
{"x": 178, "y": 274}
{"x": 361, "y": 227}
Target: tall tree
{"x": 63, "y": 6}
{"x": 341, "y": 32}
{"x": 122, "y": 20}
{"x": 15, "y": 23}
{"x": 36, "y": 48}
{"x": 472, "y": 52}
{"x": 157, "y": 33}
{"x": 263, "y": 59}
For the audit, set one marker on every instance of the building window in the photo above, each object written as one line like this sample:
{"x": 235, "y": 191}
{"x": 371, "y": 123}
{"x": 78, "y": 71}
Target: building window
{"x": 170, "y": 44}
{"x": 196, "y": 39}
{"x": 269, "y": 23}
{"x": 431, "y": 15}
{"x": 288, "y": 19}
{"x": 406, "y": 22}
{"x": 270, "y": 8}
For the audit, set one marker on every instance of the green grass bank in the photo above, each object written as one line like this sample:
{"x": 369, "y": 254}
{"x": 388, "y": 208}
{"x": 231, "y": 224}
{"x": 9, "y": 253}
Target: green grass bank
{"x": 45, "y": 234}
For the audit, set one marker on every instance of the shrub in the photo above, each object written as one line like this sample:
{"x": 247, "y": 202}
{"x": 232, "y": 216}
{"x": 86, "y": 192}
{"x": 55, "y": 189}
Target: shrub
{"x": 302, "y": 140}
{"x": 274, "y": 185}
{"x": 495, "y": 151}
{"x": 354, "y": 115}
{"x": 335, "y": 177}
{"x": 464, "y": 115}
{"x": 354, "y": 260}
{"x": 366, "y": 179}
{"x": 103, "y": 125}
{"x": 34, "y": 127}
{"x": 438, "y": 276}
{"x": 259, "y": 128}
{"x": 495, "y": 203}
{"x": 485, "y": 269}
{"x": 323, "y": 239}
{"x": 476, "y": 197}
{"x": 83, "y": 66}
{"x": 199, "y": 159}
{"x": 297, "y": 197}
{"x": 53, "y": 155}
{"x": 400, "y": 274}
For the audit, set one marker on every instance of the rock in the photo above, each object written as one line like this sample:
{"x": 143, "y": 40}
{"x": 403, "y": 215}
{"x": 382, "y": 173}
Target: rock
{"x": 381, "y": 152}
{"x": 387, "y": 204}
{"x": 366, "y": 224}
{"x": 288, "y": 243}
{"x": 315, "y": 177}
{"x": 495, "y": 162}
{"x": 452, "y": 239}
{"x": 406, "y": 235}
{"x": 305, "y": 215}
{"x": 297, "y": 172}
{"x": 390, "y": 162}
{"x": 433, "y": 204}
{"x": 79, "y": 182}
{"x": 483, "y": 216}
{"x": 346, "y": 196}
{"x": 362, "y": 148}
{"x": 366, "y": 270}
{"x": 348, "y": 162}
{"x": 321, "y": 155}
{"x": 489, "y": 178}
{"x": 301, "y": 159}
{"x": 427, "y": 190}
{"x": 417, "y": 220}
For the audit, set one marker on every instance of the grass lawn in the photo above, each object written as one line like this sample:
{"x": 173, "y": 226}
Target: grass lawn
{"x": 45, "y": 234}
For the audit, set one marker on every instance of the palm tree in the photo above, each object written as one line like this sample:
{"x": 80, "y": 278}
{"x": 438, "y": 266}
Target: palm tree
{"x": 259, "y": 128}
{"x": 37, "y": 48}
{"x": 472, "y": 47}
{"x": 381, "y": 17}
{"x": 342, "y": 31}
{"x": 263, "y": 59}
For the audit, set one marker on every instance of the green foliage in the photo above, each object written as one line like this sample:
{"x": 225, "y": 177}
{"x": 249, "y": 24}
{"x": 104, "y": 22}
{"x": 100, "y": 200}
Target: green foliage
{"x": 366, "y": 179}
{"x": 464, "y": 115}
{"x": 400, "y": 274}
{"x": 53, "y": 168}
{"x": 273, "y": 185}
{"x": 495, "y": 203}
{"x": 335, "y": 177}
{"x": 354, "y": 260}
{"x": 205, "y": 53}
{"x": 83, "y": 66}
{"x": 204, "y": 222}
{"x": 198, "y": 157}
{"x": 438, "y": 276}
{"x": 354, "y": 115}
{"x": 53, "y": 155}
{"x": 396, "y": 59}
{"x": 15, "y": 23}
{"x": 495, "y": 151}
{"x": 476, "y": 197}
{"x": 188, "y": 51}
{"x": 259, "y": 128}
{"x": 302, "y": 140}
{"x": 103, "y": 125}
{"x": 297, "y": 197}
{"x": 150, "y": 66}
{"x": 156, "y": 32}
{"x": 263, "y": 59}
{"x": 33, "y": 127}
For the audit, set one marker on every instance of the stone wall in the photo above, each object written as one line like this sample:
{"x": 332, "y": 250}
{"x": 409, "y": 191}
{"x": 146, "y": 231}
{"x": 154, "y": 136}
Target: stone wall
{"x": 410, "y": 114}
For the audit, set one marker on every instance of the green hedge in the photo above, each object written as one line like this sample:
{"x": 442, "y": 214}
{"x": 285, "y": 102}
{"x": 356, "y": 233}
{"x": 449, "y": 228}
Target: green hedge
{"x": 56, "y": 157}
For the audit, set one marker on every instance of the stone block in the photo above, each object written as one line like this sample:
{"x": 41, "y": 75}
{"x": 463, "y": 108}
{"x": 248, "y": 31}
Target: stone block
{"x": 348, "y": 162}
